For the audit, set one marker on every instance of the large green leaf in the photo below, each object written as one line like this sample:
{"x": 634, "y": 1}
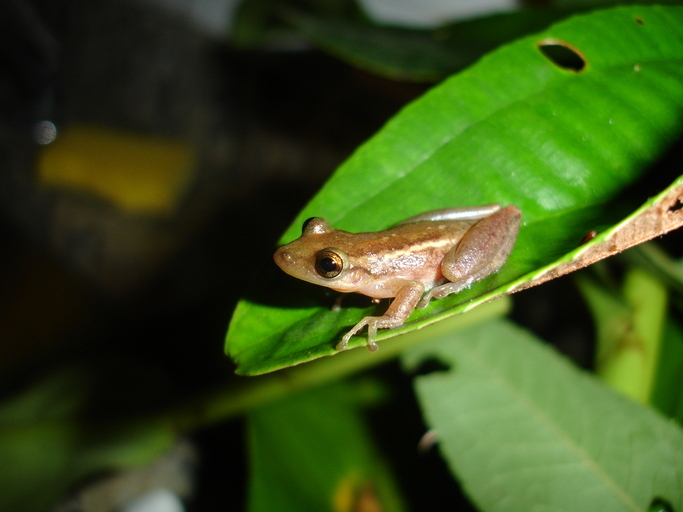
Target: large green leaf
{"x": 518, "y": 128}
{"x": 523, "y": 429}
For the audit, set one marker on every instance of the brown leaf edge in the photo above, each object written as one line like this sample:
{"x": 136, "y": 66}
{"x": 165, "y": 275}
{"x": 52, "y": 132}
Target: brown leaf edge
{"x": 663, "y": 216}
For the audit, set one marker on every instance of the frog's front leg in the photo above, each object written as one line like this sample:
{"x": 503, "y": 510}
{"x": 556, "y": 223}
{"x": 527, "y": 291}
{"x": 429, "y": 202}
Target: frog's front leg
{"x": 403, "y": 304}
{"x": 481, "y": 252}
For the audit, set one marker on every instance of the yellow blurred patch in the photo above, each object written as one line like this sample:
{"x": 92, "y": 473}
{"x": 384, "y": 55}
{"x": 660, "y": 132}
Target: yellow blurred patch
{"x": 138, "y": 174}
{"x": 354, "y": 495}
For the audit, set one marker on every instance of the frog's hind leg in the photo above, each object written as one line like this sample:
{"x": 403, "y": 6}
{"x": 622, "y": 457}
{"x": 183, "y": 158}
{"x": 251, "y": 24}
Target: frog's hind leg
{"x": 481, "y": 252}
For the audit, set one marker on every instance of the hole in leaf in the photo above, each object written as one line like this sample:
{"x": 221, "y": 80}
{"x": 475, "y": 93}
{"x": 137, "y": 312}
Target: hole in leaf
{"x": 563, "y": 55}
{"x": 660, "y": 505}
{"x": 676, "y": 206}
{"x": 431, "y": 365}
{"x": 639, "y": 21}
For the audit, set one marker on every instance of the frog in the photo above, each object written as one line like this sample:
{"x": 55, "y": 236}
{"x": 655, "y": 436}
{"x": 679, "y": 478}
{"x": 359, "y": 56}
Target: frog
{"x": 427, "y": 256}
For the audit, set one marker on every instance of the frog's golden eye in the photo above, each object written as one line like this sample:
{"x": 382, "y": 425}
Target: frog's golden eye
{"x": 330, "y": 262}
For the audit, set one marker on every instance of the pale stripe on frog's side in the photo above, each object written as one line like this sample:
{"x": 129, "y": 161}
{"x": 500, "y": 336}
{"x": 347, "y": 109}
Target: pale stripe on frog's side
{"x": 439, "y": 252}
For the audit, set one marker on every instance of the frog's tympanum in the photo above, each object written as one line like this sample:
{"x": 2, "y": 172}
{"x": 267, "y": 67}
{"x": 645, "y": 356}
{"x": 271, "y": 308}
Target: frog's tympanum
{"x": 438, "y": 252}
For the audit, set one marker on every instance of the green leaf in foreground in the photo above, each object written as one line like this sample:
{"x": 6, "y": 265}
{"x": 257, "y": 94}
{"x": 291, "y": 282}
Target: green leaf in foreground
{"x": 523, "y": 429}
{"x": 564, "y": 146}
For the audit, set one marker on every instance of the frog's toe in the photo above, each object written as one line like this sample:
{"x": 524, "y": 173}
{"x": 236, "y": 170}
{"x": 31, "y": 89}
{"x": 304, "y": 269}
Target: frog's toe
{"x": 424, "y": 302}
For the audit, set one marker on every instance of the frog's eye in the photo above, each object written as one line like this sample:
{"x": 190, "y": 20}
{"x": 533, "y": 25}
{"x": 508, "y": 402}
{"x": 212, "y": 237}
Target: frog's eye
{"x": 330, "y": 262}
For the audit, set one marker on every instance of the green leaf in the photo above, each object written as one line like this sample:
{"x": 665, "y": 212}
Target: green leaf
{"x": 667, "y": 394}
{"x": 312, "y": 452}
{"x": 639, "y": 348}
{"x": 516, "y": 128}
{"x": 656, "y": 261}
{"x": 630, "y": 327}
{"x": 259, "y": 23}
{"x": 523, "y": 429}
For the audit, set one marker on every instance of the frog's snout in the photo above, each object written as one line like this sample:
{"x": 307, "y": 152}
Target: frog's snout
{"x": 282, "y": 257}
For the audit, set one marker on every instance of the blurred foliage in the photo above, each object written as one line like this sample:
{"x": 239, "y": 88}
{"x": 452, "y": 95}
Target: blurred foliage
{"x": 517, "y": 425}
{"x": 313, "y": 451}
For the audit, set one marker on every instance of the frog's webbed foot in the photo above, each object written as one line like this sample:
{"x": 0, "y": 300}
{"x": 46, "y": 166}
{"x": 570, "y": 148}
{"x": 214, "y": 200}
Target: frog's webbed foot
{"x": 424, "y": 301}
{"x": 373, "y": 323}
{"x": 444, "y": 290}
{"x": 398, "y": 311}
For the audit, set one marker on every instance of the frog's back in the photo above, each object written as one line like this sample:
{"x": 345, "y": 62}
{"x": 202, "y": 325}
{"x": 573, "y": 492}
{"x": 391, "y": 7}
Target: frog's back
{"x": 412, "y": 251}
{"x": 416, "y": 237}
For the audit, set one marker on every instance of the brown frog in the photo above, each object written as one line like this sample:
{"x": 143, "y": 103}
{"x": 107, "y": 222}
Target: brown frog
{"x": 431, "y": 255}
